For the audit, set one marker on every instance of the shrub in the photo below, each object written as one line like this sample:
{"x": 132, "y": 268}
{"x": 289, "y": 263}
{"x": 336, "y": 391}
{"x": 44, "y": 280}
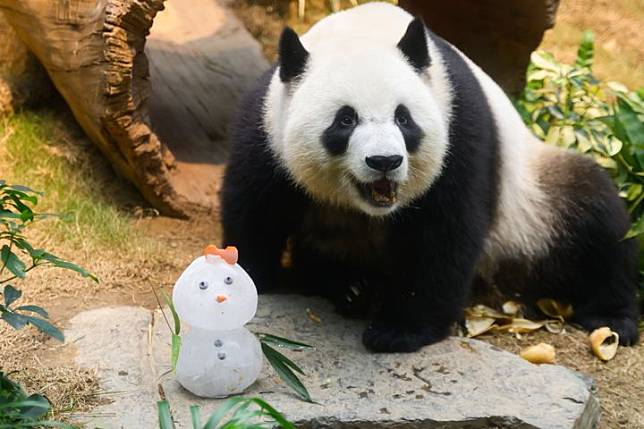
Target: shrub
{"x": 567, "y": 106}
{"x": 17, "y": 410}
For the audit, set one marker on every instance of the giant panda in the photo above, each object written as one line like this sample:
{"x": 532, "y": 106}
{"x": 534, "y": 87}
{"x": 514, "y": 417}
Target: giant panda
{"x": 399, "y": 173}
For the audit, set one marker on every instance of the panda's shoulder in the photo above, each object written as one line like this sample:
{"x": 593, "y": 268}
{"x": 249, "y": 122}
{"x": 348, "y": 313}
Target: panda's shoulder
{"x": 250, "y": 111}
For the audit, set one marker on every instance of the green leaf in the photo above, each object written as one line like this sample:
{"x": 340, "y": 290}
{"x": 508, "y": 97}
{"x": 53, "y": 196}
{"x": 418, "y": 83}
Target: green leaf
{"x": 282, "y": 342}
{"x": 165, "y": 418}
{"x": 176, "y": 348}
{"x": 636, "y": 230}
{"x": 34, "y": 309}
{"x": 222, "y": 410}
{"x": 37, "y": 409}
{"x": 46, "y": 327}
{"x": 175, "y": 316}
{"x": 9, "y": 215}
{"x": 544, "y": 61}
{"x": 628, "y": 121}
{"x": 16, "y": 321}
{"x": 12, "y": 262}
{"x": 585, "y": 53}
{"x": 24, "y": 189}
{"x": 195, "y": 416}
{"x": 276, "y": 415}
{"x": 282, "y": 366}
{"x": 11, "y": 294}
{"x": 60, "y": 263}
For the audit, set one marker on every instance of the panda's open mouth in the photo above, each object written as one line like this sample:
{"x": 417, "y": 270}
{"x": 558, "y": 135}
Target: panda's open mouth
{"x": 380, "y": 193}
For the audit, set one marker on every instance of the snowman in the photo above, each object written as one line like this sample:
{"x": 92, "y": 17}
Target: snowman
{"x": 216, "y": 298}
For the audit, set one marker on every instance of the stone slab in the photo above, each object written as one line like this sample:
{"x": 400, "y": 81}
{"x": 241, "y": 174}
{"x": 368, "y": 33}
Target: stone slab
{"x": 458, "y": 383}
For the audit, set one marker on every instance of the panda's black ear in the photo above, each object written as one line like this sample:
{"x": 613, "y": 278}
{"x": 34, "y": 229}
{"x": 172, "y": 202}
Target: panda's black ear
{"x": 292, "y": 55}
{"x": 414, "y": 45}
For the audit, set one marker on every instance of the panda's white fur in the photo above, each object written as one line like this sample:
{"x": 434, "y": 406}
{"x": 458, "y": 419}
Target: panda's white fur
{"x": 295, "y": 120}
{"x": 476, "y": 195}
{"x": 525, "y": 220}
{"x": 367, "y": 36}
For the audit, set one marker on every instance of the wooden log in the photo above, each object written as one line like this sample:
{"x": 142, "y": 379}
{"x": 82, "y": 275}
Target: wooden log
{"x": 23, "y": 81}
{"x": 158, "y": 112}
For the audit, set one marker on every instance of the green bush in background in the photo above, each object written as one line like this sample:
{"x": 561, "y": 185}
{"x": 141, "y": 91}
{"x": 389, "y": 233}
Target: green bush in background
{"x": 566, "y": 106}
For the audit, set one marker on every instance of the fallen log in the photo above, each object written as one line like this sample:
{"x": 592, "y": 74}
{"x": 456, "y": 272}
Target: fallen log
{"x": 155, "y": 99}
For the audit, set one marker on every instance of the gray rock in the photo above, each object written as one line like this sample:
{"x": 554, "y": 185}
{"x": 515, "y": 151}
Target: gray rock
{"x": 458, "y": 383}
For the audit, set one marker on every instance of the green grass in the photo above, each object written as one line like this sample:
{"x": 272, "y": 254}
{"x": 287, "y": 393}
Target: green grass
{"x": 44, "y": 151}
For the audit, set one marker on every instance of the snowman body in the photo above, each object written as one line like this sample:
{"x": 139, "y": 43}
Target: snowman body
{"x": 219, "y": 356}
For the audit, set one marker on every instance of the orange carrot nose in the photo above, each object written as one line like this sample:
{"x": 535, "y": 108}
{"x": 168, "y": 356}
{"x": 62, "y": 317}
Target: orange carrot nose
{"x": 221, "y": 298}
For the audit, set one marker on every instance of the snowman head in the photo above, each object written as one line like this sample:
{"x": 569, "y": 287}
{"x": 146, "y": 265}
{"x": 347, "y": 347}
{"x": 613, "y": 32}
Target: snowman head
{"x": 214, "y": 292}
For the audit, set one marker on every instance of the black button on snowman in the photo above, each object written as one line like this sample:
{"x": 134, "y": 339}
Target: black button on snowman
{"x": 219, "y": 357}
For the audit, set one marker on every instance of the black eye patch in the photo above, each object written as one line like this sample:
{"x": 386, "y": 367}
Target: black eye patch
{"x": 410, "y": 130}
{"x": 336, "y": 137}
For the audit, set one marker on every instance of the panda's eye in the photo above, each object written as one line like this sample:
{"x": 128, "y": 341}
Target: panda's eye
{"x": 402, "y": 119}
{"x": 228, "y": 280}
{"x": 402, "y": 116}
{"x": 203, "y": 285}
{"x": 348, "y": 121}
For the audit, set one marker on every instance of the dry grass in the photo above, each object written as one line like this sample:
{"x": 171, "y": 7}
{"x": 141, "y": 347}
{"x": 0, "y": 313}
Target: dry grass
{"x": 67, "y": 388}
{"x": 617, "y": 24}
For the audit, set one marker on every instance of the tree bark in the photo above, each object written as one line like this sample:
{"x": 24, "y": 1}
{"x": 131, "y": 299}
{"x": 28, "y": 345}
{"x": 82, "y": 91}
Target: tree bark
{"x": 23, "y": 81}
{"x": 166, "y": 132}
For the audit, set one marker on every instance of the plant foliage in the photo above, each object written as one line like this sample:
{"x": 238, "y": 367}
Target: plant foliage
{"x": 16, "y": 214}
{"x": 243, "y": 413}
{"x": 17, "y": 258}
{"x": 283, "y": 366}
{"x": 17, "y": 410}
{"x": 567, "y": 106}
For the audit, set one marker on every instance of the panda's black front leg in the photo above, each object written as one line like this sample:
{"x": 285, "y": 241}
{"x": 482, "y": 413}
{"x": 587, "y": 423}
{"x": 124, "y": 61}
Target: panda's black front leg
{"x": 431, "y": 274}
{"x": 258, "y": 214}
{"x": 347, "y": 286}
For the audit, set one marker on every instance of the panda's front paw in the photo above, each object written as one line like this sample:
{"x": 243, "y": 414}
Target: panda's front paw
{"x": 383, "y": 337}
{"x": 626, "y": 327}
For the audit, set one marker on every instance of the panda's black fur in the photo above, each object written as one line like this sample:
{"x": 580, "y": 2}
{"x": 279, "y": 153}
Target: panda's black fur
{"x": 412, "y": 271}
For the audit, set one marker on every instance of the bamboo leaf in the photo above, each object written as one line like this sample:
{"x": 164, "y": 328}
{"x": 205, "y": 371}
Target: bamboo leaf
{"x": 165, "y": 418}
{"x": 282, "y": 342}
{"x": 283, "y": 367}
{"x": 222, "y": 410}
{"x": 175, "y": 316}
{"x": 176, "y": 349}
{"x": 195, "y": 416}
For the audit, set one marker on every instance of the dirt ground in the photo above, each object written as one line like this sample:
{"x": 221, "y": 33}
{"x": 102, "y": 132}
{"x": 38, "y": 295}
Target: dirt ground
{"x": 159, "y": 248}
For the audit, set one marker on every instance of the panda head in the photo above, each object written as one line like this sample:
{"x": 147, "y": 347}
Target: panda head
{"x": 356, "y": 122}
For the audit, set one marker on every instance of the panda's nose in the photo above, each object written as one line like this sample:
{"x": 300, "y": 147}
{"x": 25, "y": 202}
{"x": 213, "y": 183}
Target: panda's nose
{"x": 384, "y": 163}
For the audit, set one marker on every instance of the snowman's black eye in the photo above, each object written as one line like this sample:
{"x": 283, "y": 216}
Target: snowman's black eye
{"x": 228, "y": 280}
{"x": 203, "y": 285}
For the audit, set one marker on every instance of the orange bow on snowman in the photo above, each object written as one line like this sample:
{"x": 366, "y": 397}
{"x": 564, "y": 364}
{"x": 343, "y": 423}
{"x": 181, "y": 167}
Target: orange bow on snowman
{"x": 229, "y": 254}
